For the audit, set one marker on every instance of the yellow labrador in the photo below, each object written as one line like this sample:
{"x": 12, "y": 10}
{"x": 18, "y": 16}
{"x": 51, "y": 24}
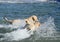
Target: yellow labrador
{"x": 29, "y": 25}
{"x": 32, "y": 22}
{"x": 31, "y": 19}
{"x": 32, "y": 26}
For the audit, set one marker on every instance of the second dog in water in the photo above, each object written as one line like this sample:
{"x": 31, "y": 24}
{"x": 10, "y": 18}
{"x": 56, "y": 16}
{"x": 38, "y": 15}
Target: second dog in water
{"x": 32, "y": 22}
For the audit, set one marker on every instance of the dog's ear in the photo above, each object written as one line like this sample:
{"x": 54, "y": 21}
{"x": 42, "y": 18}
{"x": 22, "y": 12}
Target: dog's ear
{"x": 33, "y": 18}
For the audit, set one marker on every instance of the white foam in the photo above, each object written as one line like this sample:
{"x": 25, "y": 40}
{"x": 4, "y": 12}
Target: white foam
{"x": 46, "y": 29}
{"x": 17, "y": 35}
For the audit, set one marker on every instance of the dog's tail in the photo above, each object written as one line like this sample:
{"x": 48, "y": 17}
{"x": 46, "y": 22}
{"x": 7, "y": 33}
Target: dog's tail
{"x": 7, "y": 20}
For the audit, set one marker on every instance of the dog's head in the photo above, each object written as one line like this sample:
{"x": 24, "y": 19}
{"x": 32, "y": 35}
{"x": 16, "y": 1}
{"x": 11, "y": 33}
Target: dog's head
{"x": 27, "y": 21}
{"x": 30, "y": 24}
{"x": 34, "y": 18}
{"x": 31, "y": 20}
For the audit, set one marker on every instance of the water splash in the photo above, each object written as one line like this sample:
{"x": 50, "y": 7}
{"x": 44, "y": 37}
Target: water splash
{"x": 17, "y": 35}
{"x": 47, "y": 29}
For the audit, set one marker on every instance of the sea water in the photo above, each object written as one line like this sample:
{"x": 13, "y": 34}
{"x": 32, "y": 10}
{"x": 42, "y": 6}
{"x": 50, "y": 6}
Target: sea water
{"x": 47, "y": 13}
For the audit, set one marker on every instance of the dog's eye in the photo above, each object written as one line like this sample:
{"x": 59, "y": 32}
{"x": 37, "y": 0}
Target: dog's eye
{"x": 26, "y": 21}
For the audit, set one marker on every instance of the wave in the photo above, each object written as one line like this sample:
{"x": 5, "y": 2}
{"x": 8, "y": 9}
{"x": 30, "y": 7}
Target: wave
{"x": 23, "y": 1}
{"x": 47, "y": 29}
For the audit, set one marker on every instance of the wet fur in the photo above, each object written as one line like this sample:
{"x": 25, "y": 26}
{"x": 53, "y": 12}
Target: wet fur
{"x": 32, "y": 22}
